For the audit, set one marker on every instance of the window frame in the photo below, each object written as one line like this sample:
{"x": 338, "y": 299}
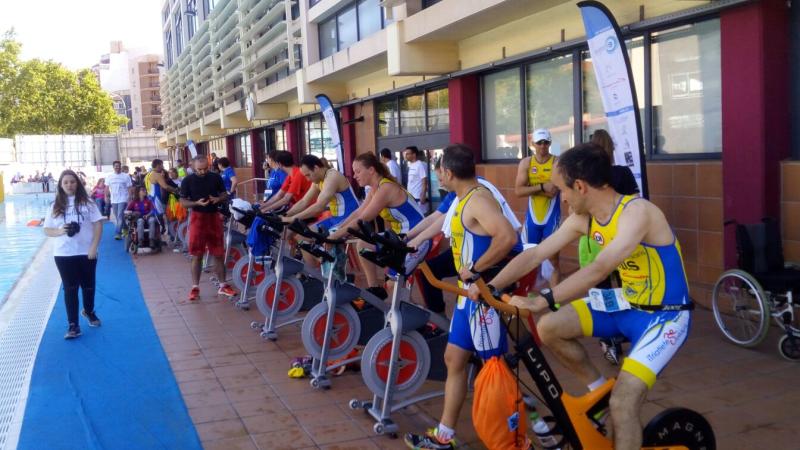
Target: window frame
{"x": 395, "y": 99}
{"x": 335, "y": 18}
{"x": 575, "y": 53}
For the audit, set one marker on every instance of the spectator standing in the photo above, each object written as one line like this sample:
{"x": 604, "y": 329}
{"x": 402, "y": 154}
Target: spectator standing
{"x": 99, "y": 194}
{"x": 202, "y": 191}
{"x": 622, "y": 179}
{"x": 417, "y": 176}
{"x": 228, "y": 176}
{"x": 75, "y": 222}
{"x": 181, "y": 170}
{"x": 45, "y": 182}
{"x": 214, "y": 163}
{"x": 394, "y": 168}
{"x": 118, "y": 184}
{"x": 276, "y": 176}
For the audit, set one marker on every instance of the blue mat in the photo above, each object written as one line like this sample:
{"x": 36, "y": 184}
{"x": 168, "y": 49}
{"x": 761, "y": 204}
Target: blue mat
{"x": 112, "y": 388}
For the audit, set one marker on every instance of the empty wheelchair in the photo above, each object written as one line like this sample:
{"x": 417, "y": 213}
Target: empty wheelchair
{"x": 763, "y": 286}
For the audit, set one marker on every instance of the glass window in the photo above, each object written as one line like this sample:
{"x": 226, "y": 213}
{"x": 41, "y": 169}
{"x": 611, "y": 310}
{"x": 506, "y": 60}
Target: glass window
{"x": 280, "y": 138}
{"x": 502, "y": 115}
{"x": 244, "y": 157}
{"x": 178, "y": 34}
{"x": 313, "y": 2}
{"x": 348, "y": 27}
{"x": 594, "y": 117}
{"x": 327, "y": 38}
{"x": 549, "y": 102}
{"x": 387, "y": 118}
{"x": 369, "y": 17}
{"x": 438, "y": 104}
{"x": 412, "y": 114}
{"x": 318, "y": 139}
{"x": 687, "y": 91}
{"x": 191, "y": 11}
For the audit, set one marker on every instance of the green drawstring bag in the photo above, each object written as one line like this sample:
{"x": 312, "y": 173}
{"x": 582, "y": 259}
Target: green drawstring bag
{"x": 588, "y": 250}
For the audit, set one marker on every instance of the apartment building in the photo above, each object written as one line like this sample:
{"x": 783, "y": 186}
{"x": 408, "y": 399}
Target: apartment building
{"x": 712, "y": 79}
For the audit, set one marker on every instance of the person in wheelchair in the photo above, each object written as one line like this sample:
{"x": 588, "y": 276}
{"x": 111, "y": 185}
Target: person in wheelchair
{"x": 652, "y": 308}
{"x": 144, "y": 211}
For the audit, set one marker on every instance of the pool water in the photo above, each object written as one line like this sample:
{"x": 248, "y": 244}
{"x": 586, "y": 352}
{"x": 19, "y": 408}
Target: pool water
{"x": 19, "y": 241}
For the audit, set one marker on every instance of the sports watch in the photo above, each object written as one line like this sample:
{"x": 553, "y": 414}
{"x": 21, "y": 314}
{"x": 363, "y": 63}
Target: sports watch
{"x": 547, "y": 293}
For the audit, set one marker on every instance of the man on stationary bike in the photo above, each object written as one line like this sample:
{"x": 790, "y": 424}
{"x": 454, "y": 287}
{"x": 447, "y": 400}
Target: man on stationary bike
{"x": 652, "y": 308}
{"x": 481, "y": 237}
{"x": 332, "y": 192}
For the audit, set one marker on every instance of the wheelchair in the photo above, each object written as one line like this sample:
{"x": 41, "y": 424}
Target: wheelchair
{"x": 132, "y": 244}
{"x": 762, "y": 286}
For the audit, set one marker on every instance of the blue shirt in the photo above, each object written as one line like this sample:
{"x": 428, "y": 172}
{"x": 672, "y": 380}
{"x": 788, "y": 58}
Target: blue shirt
{"x": 227, "y": 174}
{"x": 274, "y": 182}
{"x": 446, "y": 202}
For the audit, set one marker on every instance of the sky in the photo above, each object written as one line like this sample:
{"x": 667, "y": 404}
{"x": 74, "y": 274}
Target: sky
{"x": 76, "y": 32}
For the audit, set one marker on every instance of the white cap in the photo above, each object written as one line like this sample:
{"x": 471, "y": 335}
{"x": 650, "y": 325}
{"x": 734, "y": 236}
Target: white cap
{"x": 542, "y": 135}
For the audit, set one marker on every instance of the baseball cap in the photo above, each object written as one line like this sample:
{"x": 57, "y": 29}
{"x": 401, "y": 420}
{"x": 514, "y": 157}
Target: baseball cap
{"x": 542, "y": 135}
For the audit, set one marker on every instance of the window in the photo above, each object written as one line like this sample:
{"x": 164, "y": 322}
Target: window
{"x": 178, "y": 36}
{"x": 327, "y": 38}
{"x": 549, "y": 101}
{"x": 313, "y": 2}
{"x": 502, "y": 115}
{"x": 191, "y": 11}
{"x": 369, "y": 17}
{"x": 168, "y": 49}
{"x": 208, "y": 6}
{"x": 429, "y": 3}
{"x": 687, "y": 91}
{"x": 388, "y": 119}
{"x": 244, "y": 157}
{"x": 318, "y": 139}
{"x": 280, "y": 138}
{"x": 412, "y": 114}
{"x": 349, "y": 25}
{"x": 437, "y": 104}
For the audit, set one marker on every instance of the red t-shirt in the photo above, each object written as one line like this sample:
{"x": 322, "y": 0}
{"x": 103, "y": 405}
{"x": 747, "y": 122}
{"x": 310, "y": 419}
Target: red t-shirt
{"x": 296, "y": 184}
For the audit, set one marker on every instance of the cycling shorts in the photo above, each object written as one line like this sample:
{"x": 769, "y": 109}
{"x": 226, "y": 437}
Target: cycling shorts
{"x": 655, "y": 336}
{"x": 330, "y": 223}
{"x": 478, "y": 329}
{"x": 533, "y": 233}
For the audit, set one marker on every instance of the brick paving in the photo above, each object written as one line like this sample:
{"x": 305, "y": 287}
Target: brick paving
{"x": 239, "y": 396}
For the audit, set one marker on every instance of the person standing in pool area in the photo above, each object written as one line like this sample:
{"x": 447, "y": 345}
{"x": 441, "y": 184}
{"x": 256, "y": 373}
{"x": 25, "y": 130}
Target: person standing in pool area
{"x": 75, "y": 223}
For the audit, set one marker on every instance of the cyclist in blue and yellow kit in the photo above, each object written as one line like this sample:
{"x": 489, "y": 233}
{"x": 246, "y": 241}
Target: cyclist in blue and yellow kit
{"x": 652, "y": 307}
{"x": 387, "y": 199}
{"x": 480, "y": 237}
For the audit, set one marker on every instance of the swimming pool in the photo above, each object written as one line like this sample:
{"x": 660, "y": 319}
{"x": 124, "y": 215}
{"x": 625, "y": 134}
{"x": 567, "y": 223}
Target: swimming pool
{"x": 19, "y": 241}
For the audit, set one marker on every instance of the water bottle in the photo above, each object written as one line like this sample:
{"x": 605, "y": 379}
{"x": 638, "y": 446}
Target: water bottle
{"x": 542, "y": 430}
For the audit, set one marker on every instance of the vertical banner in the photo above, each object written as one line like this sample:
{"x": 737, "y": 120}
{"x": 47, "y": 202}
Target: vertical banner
{"x": 332, "y": 120}
{"x": 192, "y": 148}
{"x": 612, "y": 70}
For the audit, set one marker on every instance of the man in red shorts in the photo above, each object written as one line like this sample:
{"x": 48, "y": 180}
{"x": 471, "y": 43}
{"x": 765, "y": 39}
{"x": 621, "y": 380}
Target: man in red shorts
{"x": 293, "y": 189}
{"x": 202, "y": 191}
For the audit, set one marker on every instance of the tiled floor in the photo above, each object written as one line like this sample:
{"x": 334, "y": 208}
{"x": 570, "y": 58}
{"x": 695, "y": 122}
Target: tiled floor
{"x": 240, "y": 397}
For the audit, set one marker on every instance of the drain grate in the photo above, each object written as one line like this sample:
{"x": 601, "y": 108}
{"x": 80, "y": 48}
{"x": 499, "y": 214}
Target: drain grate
{"x": 33, "y": 299}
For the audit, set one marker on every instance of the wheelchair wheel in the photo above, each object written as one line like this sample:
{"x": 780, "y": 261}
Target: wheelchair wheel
{"x": 789, "y": 347}
{"x": 414, "y": 363}
{"x": 290, "y": 297}
{"x": 183, "y": 232}
{"x": 741, "y": 308}
{"x": 679, "y": 426}
{"x": 344, "y": 336}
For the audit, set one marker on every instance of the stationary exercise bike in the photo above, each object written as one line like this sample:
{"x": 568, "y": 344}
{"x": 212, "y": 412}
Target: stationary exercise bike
{"x": 398, "y": 359}
{"x": 334, "y": 327}
{"x": 572, "y": 418}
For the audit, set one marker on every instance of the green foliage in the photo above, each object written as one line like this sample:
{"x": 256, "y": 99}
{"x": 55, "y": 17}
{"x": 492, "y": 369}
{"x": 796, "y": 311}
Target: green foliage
{"x": 43, "y": 97}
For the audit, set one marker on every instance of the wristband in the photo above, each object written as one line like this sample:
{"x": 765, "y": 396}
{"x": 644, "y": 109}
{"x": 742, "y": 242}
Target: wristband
{"x": 471, "y": 268}
{"x": 494, "y": 291}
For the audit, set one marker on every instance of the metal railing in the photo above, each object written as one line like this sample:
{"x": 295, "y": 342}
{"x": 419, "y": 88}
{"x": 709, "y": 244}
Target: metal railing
{"x": 251, "y": 190}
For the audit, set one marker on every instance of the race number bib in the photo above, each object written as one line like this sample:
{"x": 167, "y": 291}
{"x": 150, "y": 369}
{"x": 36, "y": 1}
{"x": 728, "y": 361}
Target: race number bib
{"x": 608, "y": 300}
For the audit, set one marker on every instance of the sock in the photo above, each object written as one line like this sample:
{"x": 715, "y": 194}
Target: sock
{"x": 444, "y": 433}
{"x": 195, "y": 286}
{"x": 597, "y": 383}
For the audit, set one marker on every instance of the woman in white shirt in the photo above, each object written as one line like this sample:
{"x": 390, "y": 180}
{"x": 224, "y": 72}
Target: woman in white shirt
{"x": 75, "y": 222}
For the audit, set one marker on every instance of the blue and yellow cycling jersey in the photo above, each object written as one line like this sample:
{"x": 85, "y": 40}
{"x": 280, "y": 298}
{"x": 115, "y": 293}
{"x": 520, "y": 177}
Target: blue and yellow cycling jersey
{"x": 467, "y": 246}
{"x": 343, "y": 202}
{"x": 651, "y": 275}
{"x": 403, "y": 217}
{"x": 541, "y": 207}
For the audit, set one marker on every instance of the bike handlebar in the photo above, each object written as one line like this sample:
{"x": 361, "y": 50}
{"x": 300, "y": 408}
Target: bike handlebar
{"x": 486, "y": 294}
{"x": 301, "y": 228}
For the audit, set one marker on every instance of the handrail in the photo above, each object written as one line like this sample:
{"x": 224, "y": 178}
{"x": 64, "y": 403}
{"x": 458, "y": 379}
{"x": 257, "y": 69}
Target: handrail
{"x": 243, "y": 189}
{"x": 486, "y": 294}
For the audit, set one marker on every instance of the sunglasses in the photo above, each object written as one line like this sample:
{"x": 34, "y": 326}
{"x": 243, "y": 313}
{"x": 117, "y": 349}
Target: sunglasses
{"x": 543, "y": 142}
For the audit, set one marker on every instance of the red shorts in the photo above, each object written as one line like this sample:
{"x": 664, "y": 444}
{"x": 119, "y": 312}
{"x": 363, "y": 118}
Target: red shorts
{"x": 205, "y": 232}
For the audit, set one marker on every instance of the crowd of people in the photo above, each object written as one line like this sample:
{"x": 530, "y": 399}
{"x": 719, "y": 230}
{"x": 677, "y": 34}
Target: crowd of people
{"x": 630, "y": 236}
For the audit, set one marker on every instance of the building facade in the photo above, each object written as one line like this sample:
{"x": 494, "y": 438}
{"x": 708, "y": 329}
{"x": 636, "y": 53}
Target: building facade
{"x": 241, "y": 79}
{"x": 132, "y": 77}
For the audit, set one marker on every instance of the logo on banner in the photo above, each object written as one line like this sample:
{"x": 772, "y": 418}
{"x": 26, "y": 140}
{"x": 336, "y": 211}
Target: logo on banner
{"x": 611, "y": 44}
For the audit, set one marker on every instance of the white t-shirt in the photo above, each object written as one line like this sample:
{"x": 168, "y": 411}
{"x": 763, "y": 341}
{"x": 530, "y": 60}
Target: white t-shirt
{"x": 78, "y": 244}
{"x": 119, "y": 184}
{"x": 394, "y": 169}
{"x": 417, "y": 171}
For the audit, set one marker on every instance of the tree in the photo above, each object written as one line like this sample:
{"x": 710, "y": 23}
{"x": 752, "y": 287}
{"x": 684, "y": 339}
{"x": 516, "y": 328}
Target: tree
{"x": 43, "y": 97}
